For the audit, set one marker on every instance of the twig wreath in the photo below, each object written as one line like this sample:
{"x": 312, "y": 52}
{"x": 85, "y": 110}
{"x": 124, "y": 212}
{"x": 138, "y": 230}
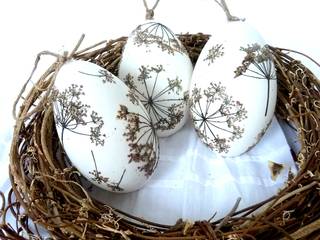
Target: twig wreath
{"x": 46, "y": 192}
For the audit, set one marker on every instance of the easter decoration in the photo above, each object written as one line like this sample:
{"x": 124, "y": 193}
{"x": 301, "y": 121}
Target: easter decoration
{"x": 46, "y": 189}
{"x": 156, "y": 67}
{"x": 233, "y": 89}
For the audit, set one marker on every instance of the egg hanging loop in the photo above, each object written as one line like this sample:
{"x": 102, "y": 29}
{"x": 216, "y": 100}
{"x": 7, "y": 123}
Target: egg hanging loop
{"x": 149, "y": 14}
{"x": 224, "y": 6}
{"x": 61, "y": 59}
{"x": 150, "y": 11}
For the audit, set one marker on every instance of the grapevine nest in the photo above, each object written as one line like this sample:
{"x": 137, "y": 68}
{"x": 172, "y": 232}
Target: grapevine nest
{"x": 47, "y": 192}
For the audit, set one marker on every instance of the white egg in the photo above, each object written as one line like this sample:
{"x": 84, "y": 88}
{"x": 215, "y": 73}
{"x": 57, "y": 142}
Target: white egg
{"x": 233, "y": 90}
{"x": 157, "y": 67}
{"x": 104, "y": 129}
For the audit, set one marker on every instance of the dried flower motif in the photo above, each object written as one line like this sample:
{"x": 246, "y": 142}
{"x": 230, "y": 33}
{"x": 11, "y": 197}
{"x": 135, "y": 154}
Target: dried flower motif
{"x": 186, "y": 96}
{"x": 257, "y": 64}
{"x": 217, "y": 113}
{"x": 159, "y": 34}
{"x": 142, "y": 140}
{"x": 175, "y": 85}
{"x": 259, "y": 136}
{"x": 97, "y": 177}
{"x": 132, "y": 97}
{"x": 105, "y": 75}
{"x": 122, "y": 112}
{"x": 196, "y": 94}
{"x": 70, "y": 112}
{"x": 215, "y": 52}
{"x": 129, "y": 81}
{"x": 165, "y": 111}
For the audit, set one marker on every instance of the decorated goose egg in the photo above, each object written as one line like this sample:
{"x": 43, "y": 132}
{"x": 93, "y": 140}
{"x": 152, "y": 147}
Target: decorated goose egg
{"x": 233, "y": 90}
{"x": 104, "y": 129}
{"x": 156, "y": 66}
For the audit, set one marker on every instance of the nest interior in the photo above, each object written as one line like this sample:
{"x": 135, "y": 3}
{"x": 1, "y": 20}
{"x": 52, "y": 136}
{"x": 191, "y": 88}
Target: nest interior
{"x": 47, "y": 192}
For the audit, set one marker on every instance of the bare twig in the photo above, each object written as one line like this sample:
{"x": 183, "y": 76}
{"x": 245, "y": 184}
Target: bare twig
{"x": 229, "y": 215}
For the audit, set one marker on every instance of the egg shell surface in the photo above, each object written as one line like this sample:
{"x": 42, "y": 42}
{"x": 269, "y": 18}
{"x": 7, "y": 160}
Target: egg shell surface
{"x": 157, "y": 67}
{"x": 104, "y": 129}
{"x": 233, "y": 90}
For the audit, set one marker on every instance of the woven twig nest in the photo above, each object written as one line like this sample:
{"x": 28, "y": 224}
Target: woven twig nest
{"x": 52, "y": 196}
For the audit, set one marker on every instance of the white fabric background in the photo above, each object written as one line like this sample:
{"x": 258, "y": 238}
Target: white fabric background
{"x": 206, "y": 184}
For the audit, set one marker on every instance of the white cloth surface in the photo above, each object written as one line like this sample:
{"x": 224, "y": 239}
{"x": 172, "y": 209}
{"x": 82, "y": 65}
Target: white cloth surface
{"x": 192, "y": 183}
